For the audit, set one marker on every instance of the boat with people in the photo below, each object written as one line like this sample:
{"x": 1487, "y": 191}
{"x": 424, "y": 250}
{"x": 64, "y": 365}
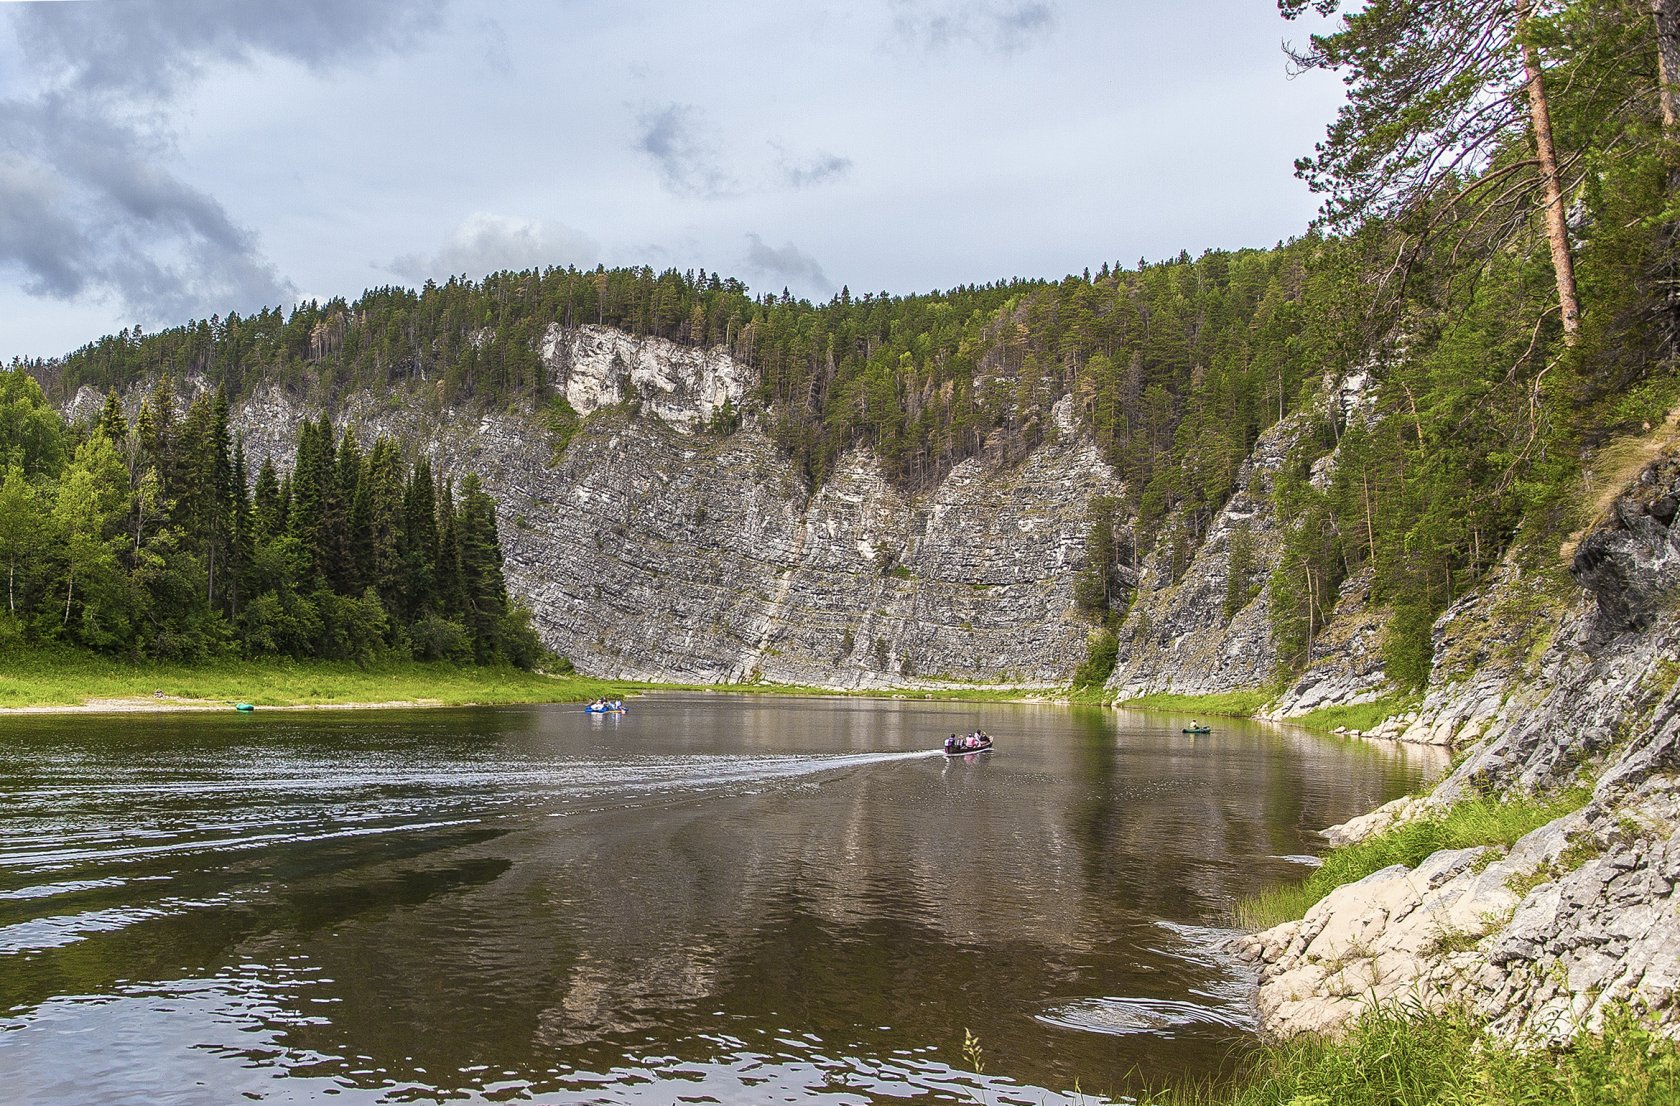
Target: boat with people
{"x": 1197, "y": 728}
{"x": 962, "y": 745}
{"x": 605, "y": 706}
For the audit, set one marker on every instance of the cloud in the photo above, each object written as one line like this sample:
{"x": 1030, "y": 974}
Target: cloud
{"x": 1000, "y": 26}
{"x": 786, "y": 265}
{"x": 89, "y": 208}
{"x": 486, "y": 243}
{"x": 685, "y": 150}
{"x": 156, "y": 47}
{"x": 811, "y": 170}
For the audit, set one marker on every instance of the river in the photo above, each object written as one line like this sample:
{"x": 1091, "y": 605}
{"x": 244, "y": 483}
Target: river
{"x": 711, "y": 899}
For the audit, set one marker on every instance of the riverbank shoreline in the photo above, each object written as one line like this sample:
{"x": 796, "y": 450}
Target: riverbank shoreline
{"x": 170, "y": 705}
{"x": 62, "y": 681}
{"x": 70, "y": 683}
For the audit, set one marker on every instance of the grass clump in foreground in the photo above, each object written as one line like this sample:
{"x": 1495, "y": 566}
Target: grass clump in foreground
{"x": 1229, "y": 704}
{"x": 1465, "y": 825}
{"x": 1395, "y": 1057}
{"x": 67, "y": 677}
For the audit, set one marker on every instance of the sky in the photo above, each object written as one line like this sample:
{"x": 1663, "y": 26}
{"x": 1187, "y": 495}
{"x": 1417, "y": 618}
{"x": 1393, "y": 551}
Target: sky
{"x": 165, "y": 160}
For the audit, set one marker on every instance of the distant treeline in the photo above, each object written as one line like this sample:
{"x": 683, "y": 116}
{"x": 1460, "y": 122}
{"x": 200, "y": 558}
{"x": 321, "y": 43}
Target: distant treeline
{"x": 924, "y": 380}
{"x": 150, "y": 540}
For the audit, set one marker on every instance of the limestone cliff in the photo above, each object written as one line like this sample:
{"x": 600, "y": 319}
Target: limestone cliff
{"x": 1580, "y": 913}
{"x": 654, "y": 548}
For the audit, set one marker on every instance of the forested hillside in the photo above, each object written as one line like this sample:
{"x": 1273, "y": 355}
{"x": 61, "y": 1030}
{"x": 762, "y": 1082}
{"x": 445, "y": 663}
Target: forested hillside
{"x": 151, "y": 540}
{"x": 1497, "y": 256}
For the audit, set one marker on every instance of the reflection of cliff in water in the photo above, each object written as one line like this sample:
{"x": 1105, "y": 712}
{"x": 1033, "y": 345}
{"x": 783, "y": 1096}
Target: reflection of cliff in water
{"x": 911, "y": 893}
{"x": 742, "y": 884}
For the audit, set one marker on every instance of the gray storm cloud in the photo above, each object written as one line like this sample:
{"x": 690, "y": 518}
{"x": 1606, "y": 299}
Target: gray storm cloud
{"x": 154, "y": 47}
{"x": 685, "y": 150}
{"x": 88, "y": 205}
{"x": 786, "y": 265}
{"x": 811, "y": 170}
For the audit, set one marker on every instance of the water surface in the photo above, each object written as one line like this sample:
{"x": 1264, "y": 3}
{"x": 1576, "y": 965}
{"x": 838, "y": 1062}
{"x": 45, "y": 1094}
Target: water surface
{"x": 710, "y": 899}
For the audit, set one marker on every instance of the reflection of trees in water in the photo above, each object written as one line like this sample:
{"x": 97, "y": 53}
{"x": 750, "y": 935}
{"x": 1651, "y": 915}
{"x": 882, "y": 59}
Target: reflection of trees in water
{"x": 918, "y": 894}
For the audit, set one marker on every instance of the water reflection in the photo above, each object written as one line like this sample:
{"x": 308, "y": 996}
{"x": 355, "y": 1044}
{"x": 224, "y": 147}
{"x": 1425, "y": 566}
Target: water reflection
{"x": 710, "y": 899}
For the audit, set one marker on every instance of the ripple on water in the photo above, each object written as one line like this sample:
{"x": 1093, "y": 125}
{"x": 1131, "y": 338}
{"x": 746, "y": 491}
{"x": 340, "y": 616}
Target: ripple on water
{"x": 1121, "y": 1016}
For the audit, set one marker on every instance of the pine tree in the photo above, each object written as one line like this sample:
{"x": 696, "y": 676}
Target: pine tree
{"x": 111, "y": 422}
{"x": 420, "y": 543}
{"x": 484, "y": 593}
{"x": 451, "y": 589}
{"x": 384, "y": 523}
{"x": 350, "y": 521}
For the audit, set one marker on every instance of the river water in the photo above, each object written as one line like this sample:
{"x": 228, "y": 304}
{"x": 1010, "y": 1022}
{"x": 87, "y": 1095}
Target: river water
{"x": 709, "y": 899}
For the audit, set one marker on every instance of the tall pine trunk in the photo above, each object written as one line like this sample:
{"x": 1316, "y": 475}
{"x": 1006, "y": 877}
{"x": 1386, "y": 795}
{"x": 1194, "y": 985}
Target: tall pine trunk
{"x": 1557, "y": 223}
{"x": 1667, "y": 15}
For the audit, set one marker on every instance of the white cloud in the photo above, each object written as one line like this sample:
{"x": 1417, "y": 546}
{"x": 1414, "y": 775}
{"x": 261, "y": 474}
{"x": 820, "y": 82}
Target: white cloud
{"x": 486, "y": 243}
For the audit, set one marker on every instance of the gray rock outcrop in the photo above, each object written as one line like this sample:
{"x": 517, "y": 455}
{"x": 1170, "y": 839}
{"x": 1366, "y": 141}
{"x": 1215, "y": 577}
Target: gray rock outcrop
{"x": 1580, "y": 914}
{"x": 1177, "y": 636}
{"x": 653, "y": 549}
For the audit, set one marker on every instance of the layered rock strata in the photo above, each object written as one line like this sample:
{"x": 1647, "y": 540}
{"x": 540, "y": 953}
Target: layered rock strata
{"x": 653, "y": 548}
{"x": 1580, "y": 914}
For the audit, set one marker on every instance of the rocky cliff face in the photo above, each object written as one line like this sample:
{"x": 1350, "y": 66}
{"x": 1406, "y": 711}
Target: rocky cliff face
{"x": 1581, "y": 913}
{"x": 655, "y": 549}
{"x": 1177, "y": 636}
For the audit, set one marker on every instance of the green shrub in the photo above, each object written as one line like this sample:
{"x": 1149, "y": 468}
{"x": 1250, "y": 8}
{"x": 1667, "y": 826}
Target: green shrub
{"x": 1359, "y": 716}
{"x": 1102, "y": 650}
{"x": 1229, "y": 704}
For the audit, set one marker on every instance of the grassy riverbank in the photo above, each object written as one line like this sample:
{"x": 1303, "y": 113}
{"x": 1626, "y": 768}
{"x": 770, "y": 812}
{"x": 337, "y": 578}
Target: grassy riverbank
{"x": 1408, "y": 1058}
{"x": 1474, "y": 822}
{"x": 1230, "y": 704}
{"x": 37, "y": 678}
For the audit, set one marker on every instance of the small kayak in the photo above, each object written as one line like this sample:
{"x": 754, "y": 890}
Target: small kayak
{"x": 1198, "y": 729}
{"x": 244, "y": 708}
{"x": 604, "y": 710}
{"x": 983, "y": 747}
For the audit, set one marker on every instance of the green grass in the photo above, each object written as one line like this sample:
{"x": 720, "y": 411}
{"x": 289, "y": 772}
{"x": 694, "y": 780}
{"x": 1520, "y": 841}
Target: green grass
{"x": 1359, "y": 716}
{"x": 1498, "y": 822}
{"x": 63, "y": 677}
{"x": 1230, "y": 704}
{"x": 1396, "y": 1057}
{"x": 44, "y": 677}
